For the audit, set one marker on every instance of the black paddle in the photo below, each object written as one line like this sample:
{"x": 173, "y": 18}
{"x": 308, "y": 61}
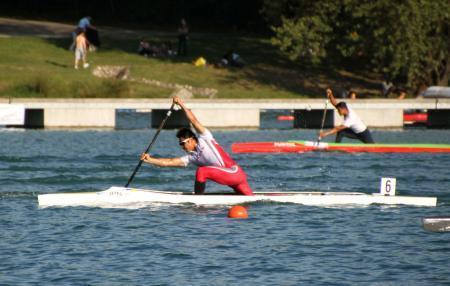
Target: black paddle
{"x": 151, "y": 144}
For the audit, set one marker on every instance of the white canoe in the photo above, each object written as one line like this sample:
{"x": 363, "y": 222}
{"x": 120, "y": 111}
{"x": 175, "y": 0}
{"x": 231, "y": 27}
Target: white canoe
{"x": 116, "y": 196}
{"x": 436, "y": 224}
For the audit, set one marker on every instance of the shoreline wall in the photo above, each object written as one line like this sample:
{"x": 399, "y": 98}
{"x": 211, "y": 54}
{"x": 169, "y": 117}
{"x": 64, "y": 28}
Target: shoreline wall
{"x": 220, "y": 113}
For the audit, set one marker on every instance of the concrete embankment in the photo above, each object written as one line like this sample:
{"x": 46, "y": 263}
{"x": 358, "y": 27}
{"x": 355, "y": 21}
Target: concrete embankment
{"x": 223, "y": 113}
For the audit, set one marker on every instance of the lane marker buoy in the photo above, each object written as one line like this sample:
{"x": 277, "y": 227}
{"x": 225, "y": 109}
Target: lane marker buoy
{"x": 238, "y": 212}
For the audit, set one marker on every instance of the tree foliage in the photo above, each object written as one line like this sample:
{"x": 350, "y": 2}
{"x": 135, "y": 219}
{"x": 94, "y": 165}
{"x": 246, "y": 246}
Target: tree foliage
{"x": 407, "y": 41}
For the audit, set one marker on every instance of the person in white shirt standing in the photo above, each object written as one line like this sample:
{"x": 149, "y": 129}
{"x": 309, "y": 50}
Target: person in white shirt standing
{"x": 352, "y": 127}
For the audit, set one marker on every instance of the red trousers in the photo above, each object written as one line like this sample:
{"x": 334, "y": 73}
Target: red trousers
{"x": 233, "y": 177}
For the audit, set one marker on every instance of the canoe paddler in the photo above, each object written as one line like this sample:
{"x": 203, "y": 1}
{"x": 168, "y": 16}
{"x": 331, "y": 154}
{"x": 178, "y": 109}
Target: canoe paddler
{"x": 203, "y": 151}
{"x": 352, "y": 127}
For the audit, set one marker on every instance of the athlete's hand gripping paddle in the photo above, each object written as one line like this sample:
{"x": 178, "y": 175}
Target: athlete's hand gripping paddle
{"x": 323, "y": 119}
{"x": 151, "y": 144}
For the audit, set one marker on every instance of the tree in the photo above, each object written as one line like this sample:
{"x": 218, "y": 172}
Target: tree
{"x": 407, "y": 41}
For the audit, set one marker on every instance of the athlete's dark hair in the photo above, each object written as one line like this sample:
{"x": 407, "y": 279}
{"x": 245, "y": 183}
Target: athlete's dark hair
{"x": 186, "y": 133}
{"x": 341, "y": 105}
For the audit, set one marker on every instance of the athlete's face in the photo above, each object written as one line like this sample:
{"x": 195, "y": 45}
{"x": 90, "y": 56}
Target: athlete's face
{"x": 188, "y": 144}
{"x": 342, "y": 111}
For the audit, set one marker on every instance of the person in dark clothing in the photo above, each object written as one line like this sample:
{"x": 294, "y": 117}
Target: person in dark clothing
{"x": 183, "y": 37}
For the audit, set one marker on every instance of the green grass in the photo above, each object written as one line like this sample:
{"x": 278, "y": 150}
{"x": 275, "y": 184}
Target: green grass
{"x": 36, "y": 67}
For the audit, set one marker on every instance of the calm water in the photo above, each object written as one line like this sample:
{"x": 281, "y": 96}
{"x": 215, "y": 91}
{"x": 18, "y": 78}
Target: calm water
{"x": 281, "y": 244}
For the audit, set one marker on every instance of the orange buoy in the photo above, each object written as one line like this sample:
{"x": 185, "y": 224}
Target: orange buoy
{"x": 238, "y": 212}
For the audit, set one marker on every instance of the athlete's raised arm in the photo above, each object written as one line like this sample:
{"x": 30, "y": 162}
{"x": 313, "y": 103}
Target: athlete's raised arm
{"x": 331, "y": 97}
{"x": 194, "y": 121}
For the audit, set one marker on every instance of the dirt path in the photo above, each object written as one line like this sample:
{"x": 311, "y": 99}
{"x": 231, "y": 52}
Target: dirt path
{"x": 14, "y": 27}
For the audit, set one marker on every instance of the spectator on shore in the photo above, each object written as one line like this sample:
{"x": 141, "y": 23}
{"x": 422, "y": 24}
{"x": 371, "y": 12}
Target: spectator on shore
{"x": 85, "y": 23}
{"x": 230, "y": 59}
{"x": 183, "y": 37}
{"x": 81, "y": 45}
{"x": 166, "y": 49}
{"x": 420, "y": 90}
{"x": 144, "y": 48}
{"x": 90, "y": 32}
{"x": 147, "y": 49}
{"x": 386, "y": 88}
{"x": 389, "y": 88}
{"x": 349, "y": 93}
{"x": 401, "y": 93}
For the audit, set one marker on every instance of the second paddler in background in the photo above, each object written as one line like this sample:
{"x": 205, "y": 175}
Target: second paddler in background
{"x": 352, "y": 127}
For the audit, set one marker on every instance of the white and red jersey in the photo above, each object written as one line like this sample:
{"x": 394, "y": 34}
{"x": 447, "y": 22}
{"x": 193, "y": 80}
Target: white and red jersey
{"x": 208, "y": 153}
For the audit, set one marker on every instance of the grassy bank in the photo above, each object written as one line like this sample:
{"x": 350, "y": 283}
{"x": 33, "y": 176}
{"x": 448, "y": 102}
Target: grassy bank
{"x": 37, "y": 67}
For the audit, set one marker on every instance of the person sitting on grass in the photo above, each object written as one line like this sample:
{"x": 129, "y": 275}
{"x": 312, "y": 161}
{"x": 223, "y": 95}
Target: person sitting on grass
{"x": 144, "y": 48}
{"x": 230, "y": 59}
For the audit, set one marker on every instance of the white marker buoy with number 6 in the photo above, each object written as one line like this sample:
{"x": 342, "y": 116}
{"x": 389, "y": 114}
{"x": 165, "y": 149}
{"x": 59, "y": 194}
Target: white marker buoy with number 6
{"x": 387, "y": 187}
